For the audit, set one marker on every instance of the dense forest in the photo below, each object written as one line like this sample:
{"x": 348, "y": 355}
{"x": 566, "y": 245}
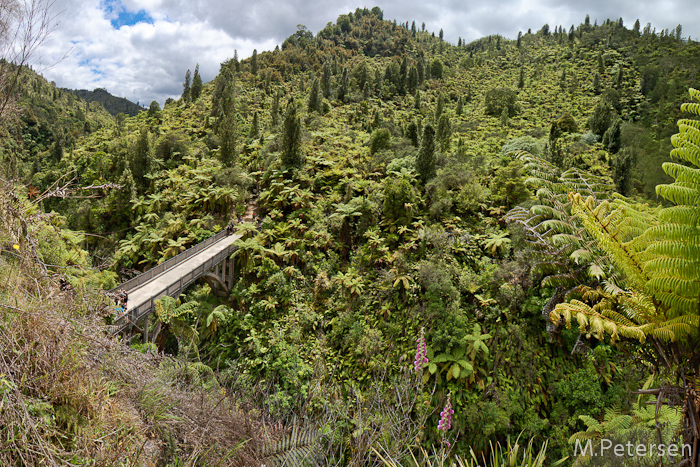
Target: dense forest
{"x": 112, "y": 104}
{"x": 458, "y": 246}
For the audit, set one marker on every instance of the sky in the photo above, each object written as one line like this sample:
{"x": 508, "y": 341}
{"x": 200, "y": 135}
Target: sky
{"x": 141, "y": 49}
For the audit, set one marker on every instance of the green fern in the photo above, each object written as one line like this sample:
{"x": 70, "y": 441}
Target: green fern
{"x": 298, "y": 448}
{"x": 614, "y": 422}
{"x": 657, "y": 251}
{"x": 674, "y": 246}
{"x": 563, "y": 253}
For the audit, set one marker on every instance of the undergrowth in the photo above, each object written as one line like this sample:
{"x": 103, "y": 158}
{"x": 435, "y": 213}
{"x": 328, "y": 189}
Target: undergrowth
{"x": 74, "y": 394}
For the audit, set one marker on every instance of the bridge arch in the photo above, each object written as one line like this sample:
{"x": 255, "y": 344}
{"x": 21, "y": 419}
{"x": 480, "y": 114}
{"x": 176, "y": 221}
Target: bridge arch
{"x": 217, "y": 284}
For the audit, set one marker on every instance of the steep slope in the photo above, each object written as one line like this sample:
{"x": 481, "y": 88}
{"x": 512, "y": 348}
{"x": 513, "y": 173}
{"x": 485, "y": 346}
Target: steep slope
{"x": 51, "y": 123}
{"x": 381, "y": 159}
{"x": 112, "y": 104}
{"x": 73, "y": 393}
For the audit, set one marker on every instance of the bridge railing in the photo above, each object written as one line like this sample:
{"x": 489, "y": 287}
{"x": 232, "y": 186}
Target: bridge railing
{"x": 134, "y": 315}
{"x": 142, "y": 278}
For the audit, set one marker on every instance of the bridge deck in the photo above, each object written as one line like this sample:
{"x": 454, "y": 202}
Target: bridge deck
{"x": 172, "y": 276}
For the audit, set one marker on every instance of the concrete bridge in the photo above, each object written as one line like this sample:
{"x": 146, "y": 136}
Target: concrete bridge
{"x": 208, "y": 260}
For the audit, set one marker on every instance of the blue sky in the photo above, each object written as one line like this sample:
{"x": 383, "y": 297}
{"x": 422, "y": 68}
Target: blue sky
{"x": 129, "y": 18}
{"x": 141, "y": 49}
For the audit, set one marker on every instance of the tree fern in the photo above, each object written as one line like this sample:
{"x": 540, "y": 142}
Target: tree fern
{"x": 563, "y": 253}
{"x": 674, "y": 269}
{"x": 614, "y": 225}
{"x": 657, "y": 251}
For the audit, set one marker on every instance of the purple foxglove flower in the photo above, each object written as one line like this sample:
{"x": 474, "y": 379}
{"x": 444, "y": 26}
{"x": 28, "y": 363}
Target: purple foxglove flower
{"x": 446, "y": 415}
{"x": 421, "y": 352}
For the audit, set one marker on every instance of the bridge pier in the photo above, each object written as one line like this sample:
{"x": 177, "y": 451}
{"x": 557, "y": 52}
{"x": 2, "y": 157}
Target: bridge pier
{"x": 222, "y": 277}
{"x": 146, "y": 324}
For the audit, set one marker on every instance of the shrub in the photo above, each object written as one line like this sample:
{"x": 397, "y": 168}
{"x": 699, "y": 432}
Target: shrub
{"x": 499, "y": 98}
{"x": 380, "y": 139}
{"x": 523, "y": 143}
{"x": 436, "y": 69}
{"x": 601, "y": 118}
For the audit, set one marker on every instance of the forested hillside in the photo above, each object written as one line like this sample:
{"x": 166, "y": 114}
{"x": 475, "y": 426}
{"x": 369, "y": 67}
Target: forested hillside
{"x": 112, "y": 104}
{"x": 432, "y": 218}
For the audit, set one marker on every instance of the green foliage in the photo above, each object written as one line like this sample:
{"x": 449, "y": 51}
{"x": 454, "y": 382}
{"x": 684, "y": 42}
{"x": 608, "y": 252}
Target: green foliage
{"x": 196, "y": 88}
{"x": 523, "y": 143}
{"x": 674, "y": 264}
{"x": 639, "y": 429}
{"x": 254, "y": 62}
{"x": 444, "y": 132}
{"x": 439, "y": 107}
{"x": 299, "y": 447}
{"x": 521, "y": 77}
{"x": 565, "y": 123}
{"x": 350, "y": 259}
{"x": 291, "y": 137}
{"x": 314, "y": 98}
{"x": 612, "y": 137}
{"x": 412, "y": 133}
{"x": 500, "y": 98}
{"x": 112, "y": 104}
{"x": 601, "y": 118}
{"x": 581, "y": 392}
{"x": 142, "y": 161}
{"x": 326, "y": 81}
{"x": 187, "y": 87}
{"x": 154, "y": 109}
{"x": 508, "y": 185}
{"x": 399, "y": 198}
{"x": 425, "y": 161}
{"x": 380, "y": 139}
{"x": 436, "y": 68}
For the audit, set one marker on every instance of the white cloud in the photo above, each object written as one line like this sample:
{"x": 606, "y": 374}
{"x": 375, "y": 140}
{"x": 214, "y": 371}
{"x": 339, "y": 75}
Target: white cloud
{"x": 143, "y": 62}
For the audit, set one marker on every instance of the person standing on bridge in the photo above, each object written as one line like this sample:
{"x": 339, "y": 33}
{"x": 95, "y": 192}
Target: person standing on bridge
{"x": 122, "y": 298}
{"x": 126, "y": 298}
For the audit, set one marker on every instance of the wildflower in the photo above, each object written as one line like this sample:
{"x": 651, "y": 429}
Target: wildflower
{"x": 446, "y": 415}
{"x": 15, "y": 246}
{"x": 421, "y": 352}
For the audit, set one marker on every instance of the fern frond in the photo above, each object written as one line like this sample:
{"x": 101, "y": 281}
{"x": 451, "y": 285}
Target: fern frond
{"x": 296, "y": 449}
{"x": 686, "y": 146}
{"x": 619, "y": 423}
{"x": 604, "y": 231}
{"x": 674, "y": 249}
{"x": 688, "y": 215}
{"x": 672, "y": 332}
{"x": 592, "y": 425}
{"x": 674, "y": 284}
{"x": 559, "y": 280}
{"x": 583, "y": 436}
{"x": 678, "y": 194}
{"x": 599, "y": 324}
{"x": 677, "y": 305}
{"x": 617, "y": 317}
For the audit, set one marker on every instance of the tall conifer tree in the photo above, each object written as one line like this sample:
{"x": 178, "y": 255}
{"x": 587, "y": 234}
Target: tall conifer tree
{"x": 196, "y": 90}
{"x": 291, "y": 137}
{"x": 254, "y": 62}
{"x": 314, "y": 100}
{"x": 187, "y": 87}
{"x": 425, "y": 161}
{"x": 326, "y": 81}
